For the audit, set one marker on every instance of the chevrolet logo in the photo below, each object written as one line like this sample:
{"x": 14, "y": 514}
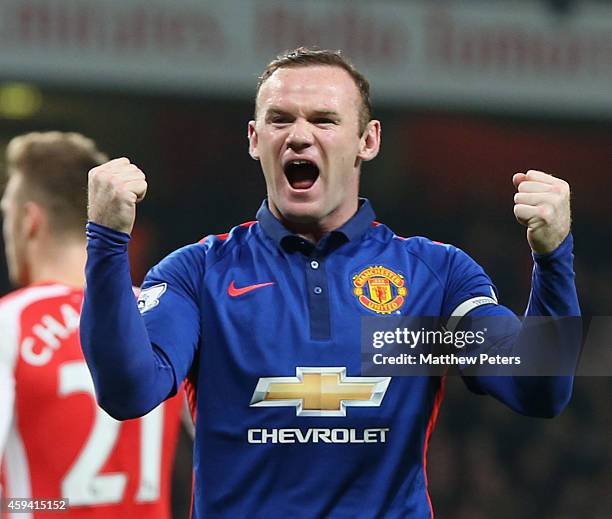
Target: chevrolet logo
{"x": 320, "y": 391}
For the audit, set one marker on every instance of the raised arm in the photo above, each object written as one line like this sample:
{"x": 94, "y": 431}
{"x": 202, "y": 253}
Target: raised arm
{"x": 131, "y": 376}
{"x": 542, "y": 205}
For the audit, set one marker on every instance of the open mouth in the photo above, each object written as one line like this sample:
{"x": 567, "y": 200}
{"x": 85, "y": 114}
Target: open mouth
{"x": 301, "y": 174}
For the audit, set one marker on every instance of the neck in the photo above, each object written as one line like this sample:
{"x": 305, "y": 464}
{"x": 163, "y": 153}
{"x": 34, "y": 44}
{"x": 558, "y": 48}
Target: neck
{"x": 61, "y": 262}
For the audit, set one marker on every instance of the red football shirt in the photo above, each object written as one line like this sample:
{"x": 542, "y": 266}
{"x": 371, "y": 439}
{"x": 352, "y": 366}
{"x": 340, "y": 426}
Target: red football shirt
{"x": 54, "y": 439}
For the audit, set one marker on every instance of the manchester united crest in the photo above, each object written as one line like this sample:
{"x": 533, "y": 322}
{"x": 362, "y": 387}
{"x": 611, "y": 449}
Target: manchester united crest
{"x": 380, "y": 289}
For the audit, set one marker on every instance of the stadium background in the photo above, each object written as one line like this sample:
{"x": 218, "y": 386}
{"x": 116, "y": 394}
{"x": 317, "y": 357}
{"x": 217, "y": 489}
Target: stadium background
{"x": 444, "y": 172}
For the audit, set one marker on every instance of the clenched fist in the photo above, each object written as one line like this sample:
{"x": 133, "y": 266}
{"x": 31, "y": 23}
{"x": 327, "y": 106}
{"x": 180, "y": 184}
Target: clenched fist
{"x": 114, "y": 190}
{"x": 542, "y": 204}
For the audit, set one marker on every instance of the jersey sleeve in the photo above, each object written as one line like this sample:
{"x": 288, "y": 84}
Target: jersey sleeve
{"x": 131, "y": 375}
{"x": 468, "y": 287}
{"x": 7, "y": 402}
{"x": 170, "y": 305}
{"x": 553, "y": 294}
{"x": 8, "y": 357}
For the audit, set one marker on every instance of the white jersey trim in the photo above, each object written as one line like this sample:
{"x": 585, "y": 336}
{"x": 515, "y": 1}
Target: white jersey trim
{"x": 18, "y": 480}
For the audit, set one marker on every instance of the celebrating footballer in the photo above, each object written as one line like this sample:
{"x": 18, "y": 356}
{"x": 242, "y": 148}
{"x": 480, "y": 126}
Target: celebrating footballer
{"x": 264, "y": 321}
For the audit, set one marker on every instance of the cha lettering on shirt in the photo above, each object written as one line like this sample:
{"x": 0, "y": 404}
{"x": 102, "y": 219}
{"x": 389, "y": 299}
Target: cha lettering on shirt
{"x": 48, "y": 334}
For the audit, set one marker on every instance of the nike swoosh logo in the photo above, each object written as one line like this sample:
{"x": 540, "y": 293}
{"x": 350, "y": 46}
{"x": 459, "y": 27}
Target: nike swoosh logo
{"x": 234, "y": 291}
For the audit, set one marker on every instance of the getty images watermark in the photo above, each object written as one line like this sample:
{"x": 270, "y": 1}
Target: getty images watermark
{"x": 491, "y": 345}
{"x": 427, "y": 346}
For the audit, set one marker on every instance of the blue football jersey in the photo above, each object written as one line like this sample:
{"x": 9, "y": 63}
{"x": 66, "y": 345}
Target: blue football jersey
{"x": 266, "y": 325}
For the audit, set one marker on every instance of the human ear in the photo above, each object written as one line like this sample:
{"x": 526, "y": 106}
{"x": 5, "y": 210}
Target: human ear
{"x": 252, "y": 136}
{"x": 369, "y": 144}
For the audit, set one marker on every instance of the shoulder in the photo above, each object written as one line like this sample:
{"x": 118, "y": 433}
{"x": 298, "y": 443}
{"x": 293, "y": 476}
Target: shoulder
{"x": 438, "y": 253}
{"x": 15, "y": 302}
{"x": 443, "y": 260}
{"x": 235, "y": 237}
{"x": 192, "y": 261}
{"x": 219, "y": 246}
{"x": 12, "y": 307}
{"x": 213, "y": 245}
{"x": 433, "y": 253}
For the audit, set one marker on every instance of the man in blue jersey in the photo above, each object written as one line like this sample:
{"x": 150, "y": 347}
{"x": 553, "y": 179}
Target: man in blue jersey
{"x": 265, "y": 321}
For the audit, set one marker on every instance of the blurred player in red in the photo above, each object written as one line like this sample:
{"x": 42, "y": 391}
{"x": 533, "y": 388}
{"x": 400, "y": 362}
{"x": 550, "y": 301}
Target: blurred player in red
{"x": 54, "y": 439}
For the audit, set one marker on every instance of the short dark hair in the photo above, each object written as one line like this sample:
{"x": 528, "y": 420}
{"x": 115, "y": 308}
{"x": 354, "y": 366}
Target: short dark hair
{"x": 54, "y": 167}
{"x": 305, "y": 57}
